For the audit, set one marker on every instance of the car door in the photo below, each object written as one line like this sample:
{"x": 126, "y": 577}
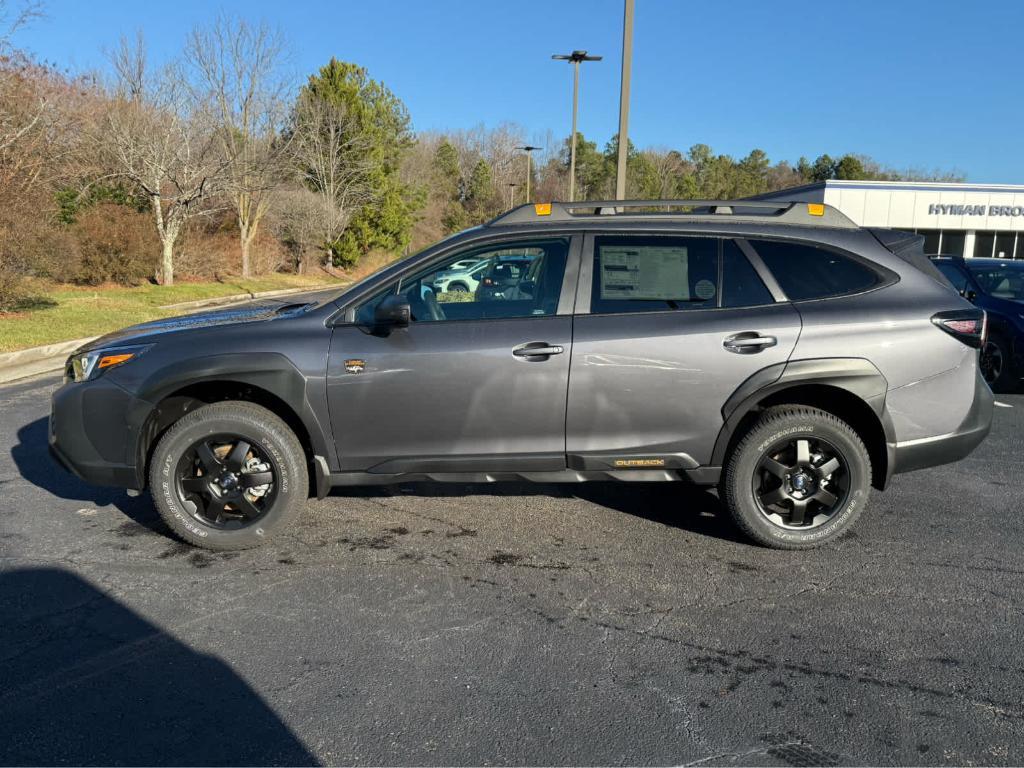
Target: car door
{"x": 474, "y": 383}
{"x": 667, "y": 328}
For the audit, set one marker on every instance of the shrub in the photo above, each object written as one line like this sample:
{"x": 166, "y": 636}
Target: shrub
{"x": 115, "y": 244}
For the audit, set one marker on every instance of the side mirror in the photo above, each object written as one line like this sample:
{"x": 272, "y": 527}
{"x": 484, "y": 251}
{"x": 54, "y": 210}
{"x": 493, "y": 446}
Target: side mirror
{"x": 393, "y": 312}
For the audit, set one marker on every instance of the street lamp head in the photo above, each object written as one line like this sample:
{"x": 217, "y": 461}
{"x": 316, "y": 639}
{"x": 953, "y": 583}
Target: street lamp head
{"x": 528, "y": 148}
{"x": 576, "y": 56}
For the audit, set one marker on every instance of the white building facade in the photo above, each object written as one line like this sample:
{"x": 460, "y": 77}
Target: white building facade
{"x": 956, "y": 219}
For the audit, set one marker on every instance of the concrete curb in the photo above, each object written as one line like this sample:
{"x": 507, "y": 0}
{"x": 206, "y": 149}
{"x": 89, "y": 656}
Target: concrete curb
{"x": 36, "y": 360}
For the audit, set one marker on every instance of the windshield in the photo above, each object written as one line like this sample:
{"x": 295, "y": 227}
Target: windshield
{"x": 1003, "y": 281}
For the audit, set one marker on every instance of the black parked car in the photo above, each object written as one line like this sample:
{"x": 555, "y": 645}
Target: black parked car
{"x": 997, "y": 286}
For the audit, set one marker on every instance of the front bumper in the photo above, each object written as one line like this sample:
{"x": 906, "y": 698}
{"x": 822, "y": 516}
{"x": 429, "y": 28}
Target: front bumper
{"x": 945, "y": 449}
{"x": 94, "y": 430}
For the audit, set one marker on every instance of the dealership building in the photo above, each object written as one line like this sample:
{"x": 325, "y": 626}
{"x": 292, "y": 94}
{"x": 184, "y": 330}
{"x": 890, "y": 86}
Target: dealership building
{"x": 958, "y": 219}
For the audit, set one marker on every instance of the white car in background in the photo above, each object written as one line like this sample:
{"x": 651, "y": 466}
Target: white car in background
{"x": 462, "y": 277}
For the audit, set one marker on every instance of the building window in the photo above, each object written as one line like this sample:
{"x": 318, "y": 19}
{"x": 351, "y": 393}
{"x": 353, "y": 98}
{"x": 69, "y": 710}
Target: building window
{"x": 983, "y": 244}
{"x": 931, "y": 240}
{"x": 953, "y": 242}
{"x": 1004, "y": 245}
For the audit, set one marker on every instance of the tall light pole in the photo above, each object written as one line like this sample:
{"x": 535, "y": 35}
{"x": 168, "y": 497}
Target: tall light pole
{"x": 575, "y": 58}
{"x": 512, "y": 195}
{"x": 529, "y": 166}
{"x": 627, "y": 65}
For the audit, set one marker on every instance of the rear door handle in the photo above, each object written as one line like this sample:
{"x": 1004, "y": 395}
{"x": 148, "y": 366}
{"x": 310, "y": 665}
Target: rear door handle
{"x": 537, "y": 349}
{"x": 748, "y": 342}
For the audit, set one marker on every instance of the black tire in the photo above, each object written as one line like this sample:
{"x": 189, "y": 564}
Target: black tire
{"x": 458, "y": 288}
{"x": 760, "y": 457}
{"x": 997, "y": 365}
{"x": 229, "y": 525}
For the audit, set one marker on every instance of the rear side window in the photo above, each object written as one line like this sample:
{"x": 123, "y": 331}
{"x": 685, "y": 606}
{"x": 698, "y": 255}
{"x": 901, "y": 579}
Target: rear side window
{"x": 652, "y": 274}
{"x": 741, "y": 286}
{"x": 806, "y": 272}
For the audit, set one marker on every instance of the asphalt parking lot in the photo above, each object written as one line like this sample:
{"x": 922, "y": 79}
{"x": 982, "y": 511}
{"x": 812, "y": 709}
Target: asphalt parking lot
{"x": 511, "y": 624}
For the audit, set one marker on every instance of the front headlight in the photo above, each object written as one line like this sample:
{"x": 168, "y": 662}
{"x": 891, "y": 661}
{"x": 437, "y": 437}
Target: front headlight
{"x": 88, "y": 365}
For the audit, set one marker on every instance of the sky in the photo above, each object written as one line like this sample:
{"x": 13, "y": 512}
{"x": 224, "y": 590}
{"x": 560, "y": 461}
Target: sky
{"x": 925, "y": 84}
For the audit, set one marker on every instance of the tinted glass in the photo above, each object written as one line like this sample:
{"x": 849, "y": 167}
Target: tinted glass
{"x": 1004, "y": 281}
{"x": 805, "y": 272}
{"x": 952, "y": 273}
{"x": 651, "y": 274}
{"x": 513, "y": 280}
{"x": 741, "y": 286}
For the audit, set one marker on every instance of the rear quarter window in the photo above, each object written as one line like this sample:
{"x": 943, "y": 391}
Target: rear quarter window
{"x": 805, "y": 272}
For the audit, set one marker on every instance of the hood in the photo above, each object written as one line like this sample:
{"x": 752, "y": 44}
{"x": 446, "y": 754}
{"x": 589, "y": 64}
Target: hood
{"x": 249, "y": 312}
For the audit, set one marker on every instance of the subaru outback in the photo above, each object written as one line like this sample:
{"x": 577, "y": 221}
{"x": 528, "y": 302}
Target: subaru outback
{"x": 776, "y": 350}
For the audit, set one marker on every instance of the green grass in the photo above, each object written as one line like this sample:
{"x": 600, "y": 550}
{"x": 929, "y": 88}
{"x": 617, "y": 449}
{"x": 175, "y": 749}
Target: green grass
{"x": 69, "y": 312}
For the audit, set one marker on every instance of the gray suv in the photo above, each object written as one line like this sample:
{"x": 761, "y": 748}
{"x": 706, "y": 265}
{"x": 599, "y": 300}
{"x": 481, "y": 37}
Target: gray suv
{"x": 776, "y": 350}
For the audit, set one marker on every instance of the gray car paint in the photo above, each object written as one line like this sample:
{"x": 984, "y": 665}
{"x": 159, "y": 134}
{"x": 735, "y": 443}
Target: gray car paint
{"x": 454, "y": 392}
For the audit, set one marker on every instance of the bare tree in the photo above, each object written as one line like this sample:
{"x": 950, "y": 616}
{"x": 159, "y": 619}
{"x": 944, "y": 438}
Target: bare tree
{"x": 150, "y": 135}
{"x": 334, "y": 160}
{"x": 237, "y": 65}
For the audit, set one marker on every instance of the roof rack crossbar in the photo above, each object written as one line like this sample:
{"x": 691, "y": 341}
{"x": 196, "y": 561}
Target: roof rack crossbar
{"x": 785, "y": 211}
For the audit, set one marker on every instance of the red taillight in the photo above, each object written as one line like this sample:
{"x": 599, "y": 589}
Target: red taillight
{"x": 969, "y": 326}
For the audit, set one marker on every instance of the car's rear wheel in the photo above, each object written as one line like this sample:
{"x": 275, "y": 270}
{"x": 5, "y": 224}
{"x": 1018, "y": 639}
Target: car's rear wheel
{"x": 995, "y": 364}
{"x": 798, "y": 478}
{"x": 228, "y": 476}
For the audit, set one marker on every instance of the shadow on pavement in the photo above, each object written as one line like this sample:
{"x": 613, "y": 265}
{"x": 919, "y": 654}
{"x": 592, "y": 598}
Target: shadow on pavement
{"x": 85, "y": 681}
{"x": 678, "y": 505}
{"x": 32, "y": 457}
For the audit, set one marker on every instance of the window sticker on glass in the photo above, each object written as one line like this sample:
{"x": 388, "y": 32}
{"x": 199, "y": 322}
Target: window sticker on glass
{"x": 646, "y": 272}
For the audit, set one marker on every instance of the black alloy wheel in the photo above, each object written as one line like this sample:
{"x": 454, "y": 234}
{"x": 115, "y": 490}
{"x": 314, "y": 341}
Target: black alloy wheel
{"x": 230, "y": 481}
{"x": 801, "y": 482}
{"x": 992, "y": 362}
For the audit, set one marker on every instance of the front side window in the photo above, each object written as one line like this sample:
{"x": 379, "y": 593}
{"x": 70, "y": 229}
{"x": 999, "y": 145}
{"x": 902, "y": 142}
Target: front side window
{"x": 507, "y": 280}
{"x": 654, "y": 274}
{"x": 806, "y": 272}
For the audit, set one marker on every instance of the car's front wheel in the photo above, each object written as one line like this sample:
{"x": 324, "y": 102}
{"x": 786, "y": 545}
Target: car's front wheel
{"x": 228, "y": 476}
{"x": 798, "y": 478}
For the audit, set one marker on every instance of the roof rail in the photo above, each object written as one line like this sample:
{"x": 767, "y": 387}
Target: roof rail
{"x": 783, "y": 211}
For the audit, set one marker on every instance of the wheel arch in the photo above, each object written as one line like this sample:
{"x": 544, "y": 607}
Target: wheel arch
{"x": 272, "y": 383}
{"x": 850, "y": 388}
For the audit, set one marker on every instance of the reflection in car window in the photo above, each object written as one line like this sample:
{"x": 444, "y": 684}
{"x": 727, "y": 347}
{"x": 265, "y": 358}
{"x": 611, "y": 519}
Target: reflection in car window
{"x": 506, "y": 281}
{"x": 1004, "y": 281}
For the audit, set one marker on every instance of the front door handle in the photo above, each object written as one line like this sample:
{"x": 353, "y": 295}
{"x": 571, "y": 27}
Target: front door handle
{"x": 537, "y": 349}
{"x": 748, "y": 342}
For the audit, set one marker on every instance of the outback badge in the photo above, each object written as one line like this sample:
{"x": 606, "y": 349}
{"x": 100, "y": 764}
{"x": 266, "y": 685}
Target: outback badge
{"x": 355, "y": 366}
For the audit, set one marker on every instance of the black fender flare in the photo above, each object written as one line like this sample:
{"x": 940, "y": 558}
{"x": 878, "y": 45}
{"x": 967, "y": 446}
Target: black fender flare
{"x": 855, "y": 375}
{"x": 271, "y": 372}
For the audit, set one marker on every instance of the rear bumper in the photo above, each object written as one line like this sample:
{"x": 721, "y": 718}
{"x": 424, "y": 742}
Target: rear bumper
{"x": 93, "y": 432}
{"x": 945, "y": 449}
